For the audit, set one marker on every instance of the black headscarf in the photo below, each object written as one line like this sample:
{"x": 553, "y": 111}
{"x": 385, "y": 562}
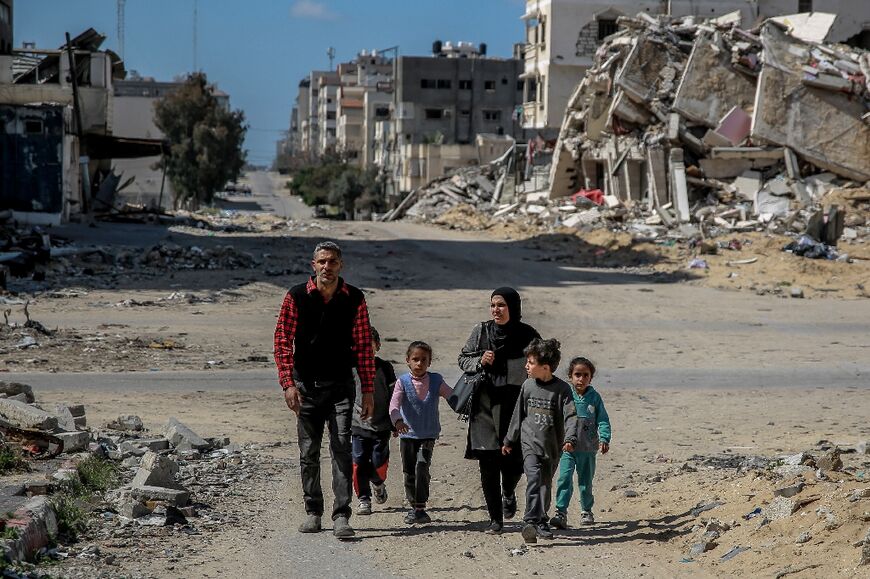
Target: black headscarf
{"x": 509, "y": 340}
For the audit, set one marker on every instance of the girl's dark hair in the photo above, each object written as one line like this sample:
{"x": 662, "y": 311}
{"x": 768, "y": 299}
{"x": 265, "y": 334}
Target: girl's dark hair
{"x": 545, "y": 352}
{"x": 419, "y": 345}
{"x": 581, "y": 361}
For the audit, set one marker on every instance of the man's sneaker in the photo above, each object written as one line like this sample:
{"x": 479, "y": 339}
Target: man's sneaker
{"x": 311, "y": 524}
{"x": 364, "y": 508}
{"x": 509, "y": 506}
{"x": 380, "y": 492}
{"x": 559, "y": 520}
{"x": 530, "y": 533}
{"x": 341, "y": 528}
{"x": 587, "y": 518}
{"x": 494, "y": 528}
{"x": 421, "y": 516}
{"x": 543, "y": 531}
{"x": 411, "y": 517}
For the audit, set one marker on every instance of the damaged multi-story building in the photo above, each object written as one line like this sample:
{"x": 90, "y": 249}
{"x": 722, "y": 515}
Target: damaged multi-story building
{"x": 562, "y": 37}
{"x": 57, "y": 141}
{"x": 673, "y": 110}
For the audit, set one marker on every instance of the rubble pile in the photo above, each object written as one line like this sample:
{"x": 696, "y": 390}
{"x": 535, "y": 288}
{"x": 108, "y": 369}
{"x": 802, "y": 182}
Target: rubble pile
{"x": 479, "y": 186}
{"x": 730, "y": 130}
{"x": 170, "y": 481}
{"x": 688, "y": 130}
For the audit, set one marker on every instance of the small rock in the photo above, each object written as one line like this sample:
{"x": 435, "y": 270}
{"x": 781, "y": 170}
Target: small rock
{"x": 780, "y": 508}
{"x": 789, "y": 491}
{"x": 830, "y": 460}
{"x": 803, "y": 538}
{"x": 859, "y": 494}
{"x": 127, "y": 422}
{"x": 797, "y": 292}
{"x": 630, "y": 493}
{"x": 468, "y": 554}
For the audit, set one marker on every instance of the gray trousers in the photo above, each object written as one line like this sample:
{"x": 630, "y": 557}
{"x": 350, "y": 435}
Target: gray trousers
{"x": 539, "y": 487}
{"x": 331, "y": 406}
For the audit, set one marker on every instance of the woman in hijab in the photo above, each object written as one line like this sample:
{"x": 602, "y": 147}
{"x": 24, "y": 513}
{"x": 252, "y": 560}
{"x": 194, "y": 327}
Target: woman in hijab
{"x": 496, "y": 347}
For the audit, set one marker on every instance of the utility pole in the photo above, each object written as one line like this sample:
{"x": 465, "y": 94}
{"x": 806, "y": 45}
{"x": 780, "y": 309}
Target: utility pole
{"x": 195, "y": 34}
{"x": 330, "y": 52}
{"x": 121, "y": 18}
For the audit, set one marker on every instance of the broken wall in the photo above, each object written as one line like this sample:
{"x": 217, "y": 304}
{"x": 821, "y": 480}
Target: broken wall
{"x": 823, "y": 126}
{"x": 710, "y": 87}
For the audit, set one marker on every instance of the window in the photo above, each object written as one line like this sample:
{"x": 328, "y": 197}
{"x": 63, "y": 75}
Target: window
{"x": 464, "y": 85}
{"x": 33, "y": 127}
{"x": 492, "y": 115}
{"x": 330, "y": 115}
{"x": 805, "y": 5}
{"x": 444, "y": 83}
{"x": 382, "y": 112}
{"x": 330, "y": 132}
{"x": 464, "y": 113}
{"x": 606, "y": 28}
{"x": 504, "y": 80}
{"x": 428, "y": 83}
{"x": 434, "y": 113}
{"x": 489, "y": 85}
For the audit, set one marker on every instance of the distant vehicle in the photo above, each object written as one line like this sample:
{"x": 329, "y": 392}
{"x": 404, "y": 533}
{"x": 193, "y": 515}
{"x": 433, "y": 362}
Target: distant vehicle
{"x": 238, "y": 189}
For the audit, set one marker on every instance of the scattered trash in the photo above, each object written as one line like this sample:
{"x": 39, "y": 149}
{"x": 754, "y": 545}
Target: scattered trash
{"x": 733, "y": 553}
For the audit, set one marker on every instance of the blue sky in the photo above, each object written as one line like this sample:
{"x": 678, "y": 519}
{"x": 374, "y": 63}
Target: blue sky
{"x": 258, "y": 50}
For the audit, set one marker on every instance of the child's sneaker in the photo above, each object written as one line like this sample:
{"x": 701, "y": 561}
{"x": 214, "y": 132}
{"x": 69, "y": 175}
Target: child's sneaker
{"x": 364, "y": 508}
{"x": 544, "y": 532}
{"x": 559, "y": 520}
{"x": 587, "y": 518}
{"x": 421, "y": 517}
{"x": 411, "y": 517}
{"x": 530, "y": 533}
{"x": 380, "y": 492}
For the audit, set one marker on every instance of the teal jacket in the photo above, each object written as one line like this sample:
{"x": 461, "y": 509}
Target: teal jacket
{"x": 593, "y": 421}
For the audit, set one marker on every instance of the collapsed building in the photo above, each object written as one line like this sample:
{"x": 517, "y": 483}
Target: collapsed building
{"x": 679, "y": 115}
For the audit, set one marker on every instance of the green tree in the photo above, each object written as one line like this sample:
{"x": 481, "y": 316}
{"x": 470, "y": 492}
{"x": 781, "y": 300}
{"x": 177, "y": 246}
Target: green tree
{"x": 205, "y": 141}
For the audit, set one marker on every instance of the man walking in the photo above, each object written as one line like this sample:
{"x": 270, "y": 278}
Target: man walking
{"x": 323, "y": 332}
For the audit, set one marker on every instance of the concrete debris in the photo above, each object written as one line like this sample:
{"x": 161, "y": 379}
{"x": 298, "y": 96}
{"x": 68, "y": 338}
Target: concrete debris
{"x": 183, "y": 438}
{"x": 24, "y": 415}
{"x": 129, "y": 422}
{"x": 157, "y": 470}
{"x": 9, "y": 389}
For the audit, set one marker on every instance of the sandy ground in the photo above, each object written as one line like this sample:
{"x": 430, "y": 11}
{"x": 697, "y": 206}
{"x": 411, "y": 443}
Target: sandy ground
{"x": 431, "y": 284}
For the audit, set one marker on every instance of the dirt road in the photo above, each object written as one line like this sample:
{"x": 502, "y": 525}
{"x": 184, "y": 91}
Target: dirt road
{"x": 683, "y": 370}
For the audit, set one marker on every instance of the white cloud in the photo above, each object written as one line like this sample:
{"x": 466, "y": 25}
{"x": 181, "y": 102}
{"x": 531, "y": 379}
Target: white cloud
{"x": 311, "y": 9}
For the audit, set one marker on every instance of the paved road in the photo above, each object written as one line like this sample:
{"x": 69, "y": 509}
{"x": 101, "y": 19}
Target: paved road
{"x": 271, "y": 195}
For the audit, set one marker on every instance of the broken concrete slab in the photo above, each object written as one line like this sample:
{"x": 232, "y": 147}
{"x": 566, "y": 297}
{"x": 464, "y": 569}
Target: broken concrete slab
{"x": 35, "y": 524}
{"x": 678, "y": 185}
{"x": 25, "y": 416}
{"x": 710, "y": 87}
{"x": 156, "y": 470}
{"x": 176, "y": 497}
{"x": 76, "y": 441}
{"x": 183, "y": 438}
{"x": 823, "y": 127}
{"x": 127, "y": 422}
{"x": 748, "y": 184}
{"x": 71, "y": 417}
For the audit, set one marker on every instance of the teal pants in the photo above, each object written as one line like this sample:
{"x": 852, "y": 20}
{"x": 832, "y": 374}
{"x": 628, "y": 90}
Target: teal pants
{"x": 584, "y": 463}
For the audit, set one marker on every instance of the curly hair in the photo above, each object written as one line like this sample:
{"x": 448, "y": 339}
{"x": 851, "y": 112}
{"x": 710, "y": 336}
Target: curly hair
{"x": 546, "y": 352}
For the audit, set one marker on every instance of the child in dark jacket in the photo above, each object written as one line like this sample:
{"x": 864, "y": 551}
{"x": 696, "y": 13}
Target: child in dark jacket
{"x": 414, "y": 412}
{"x": 545, "y": 423}
{"x": 370, "y": 439}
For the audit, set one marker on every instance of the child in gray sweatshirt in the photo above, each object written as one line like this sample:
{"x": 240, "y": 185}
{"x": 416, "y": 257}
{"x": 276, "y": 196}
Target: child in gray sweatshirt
{"x": 544, "y": 413}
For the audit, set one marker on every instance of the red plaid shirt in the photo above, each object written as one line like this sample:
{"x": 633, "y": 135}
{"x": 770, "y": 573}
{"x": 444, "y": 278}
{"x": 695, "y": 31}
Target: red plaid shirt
{"x": 285, "y": 333}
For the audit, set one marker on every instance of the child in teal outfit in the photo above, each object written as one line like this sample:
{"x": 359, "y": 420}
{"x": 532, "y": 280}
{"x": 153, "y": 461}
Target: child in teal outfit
{"x": 594, "y": 434}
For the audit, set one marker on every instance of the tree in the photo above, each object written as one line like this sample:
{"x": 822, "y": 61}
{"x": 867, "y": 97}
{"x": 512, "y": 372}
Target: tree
{"x": 354, "y": 189}
{"x": 205, "y": 141}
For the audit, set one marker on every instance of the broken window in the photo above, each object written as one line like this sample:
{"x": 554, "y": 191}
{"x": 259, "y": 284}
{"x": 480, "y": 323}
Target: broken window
{"x": 492, "y": 115}
{"x": 33, "y": 127}
{"x": 428, "y": 83}
{"x": 489, "y": 85}
{"x": 444, "y": 83}
{"x": 805, "y": 6}
{"x": 434, "y": 113}
{"x": 606, "y": 28}
{"x": 464, "y": 85}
